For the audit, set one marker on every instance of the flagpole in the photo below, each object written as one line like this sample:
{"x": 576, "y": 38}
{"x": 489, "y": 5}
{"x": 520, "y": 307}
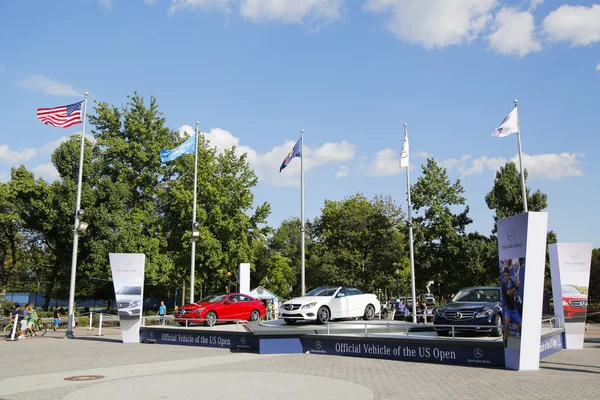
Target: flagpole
{"x": 410, "y": 238}
{"x": 521, "y": 163}
{"x": 78, "y": 213}
{"x": 302, "y": 229}
{"x": 194, "y": 223}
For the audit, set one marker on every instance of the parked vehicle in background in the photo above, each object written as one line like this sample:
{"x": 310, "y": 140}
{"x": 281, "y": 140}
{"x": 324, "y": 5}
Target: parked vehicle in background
{"x": 233, "y": 306}
{"x": 478, "y": 307}
{"x": 331, "y": 302}
{"x": 574, "y": 304}
{"x": 429, "y": 299}
{"x": 129, "y": 301}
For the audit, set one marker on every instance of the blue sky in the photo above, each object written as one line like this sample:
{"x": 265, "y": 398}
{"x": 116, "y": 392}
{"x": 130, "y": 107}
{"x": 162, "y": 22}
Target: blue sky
{"x": 350, "y": 73}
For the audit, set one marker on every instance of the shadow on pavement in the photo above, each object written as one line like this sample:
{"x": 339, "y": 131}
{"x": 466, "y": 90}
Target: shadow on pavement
{"x": 99, "y": 339}
{"x": 569, "y": 369}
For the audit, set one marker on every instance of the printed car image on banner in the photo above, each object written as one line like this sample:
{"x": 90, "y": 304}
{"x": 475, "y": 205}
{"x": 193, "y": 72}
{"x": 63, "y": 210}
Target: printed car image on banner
{"x": 128, "y": 279}
{"x": 512, "y": 273}
{"x": 570, "y": 266}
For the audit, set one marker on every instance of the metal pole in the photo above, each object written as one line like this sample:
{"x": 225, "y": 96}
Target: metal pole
{"x": 91, "y": 317}
{"x": 410, "y": 238}
{"x": 302, "y": 229}
{"x": 69, "y": 333}
{"x": 100, "y": 326}
{"x": 524, "y": 191}
{"x": 194, "y": 227}
{"x": 14, "y": 328}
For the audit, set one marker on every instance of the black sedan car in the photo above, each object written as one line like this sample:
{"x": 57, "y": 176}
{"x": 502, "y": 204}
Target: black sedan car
{"x": 476, "y": 309}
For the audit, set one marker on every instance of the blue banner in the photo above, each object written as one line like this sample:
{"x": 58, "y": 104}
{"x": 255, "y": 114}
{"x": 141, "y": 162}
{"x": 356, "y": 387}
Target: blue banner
{"x": 551, "y": 344}
{"x": 456, "y": 353}
{"x": 227, "y": 340}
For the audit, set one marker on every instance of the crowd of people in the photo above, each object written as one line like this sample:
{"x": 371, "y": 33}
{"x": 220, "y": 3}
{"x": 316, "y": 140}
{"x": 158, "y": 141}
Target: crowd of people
{"x": 27, "y": 315}
{"x": 424, "y": 312}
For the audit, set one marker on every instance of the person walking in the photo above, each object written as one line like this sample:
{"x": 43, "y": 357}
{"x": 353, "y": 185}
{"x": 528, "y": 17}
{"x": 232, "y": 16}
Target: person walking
{"x": 270, "y": 310}
{"x": 162, "y": 311}
{"x": 56, "y": 318}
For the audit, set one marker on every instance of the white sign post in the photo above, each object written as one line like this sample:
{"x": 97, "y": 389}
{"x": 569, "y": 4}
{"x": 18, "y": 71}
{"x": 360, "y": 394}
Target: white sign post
{"x": 244, "y": 277}
{"x": 570, "y": 266}
{"x": 522, "y": 251}
{"x": 128, "y": 278}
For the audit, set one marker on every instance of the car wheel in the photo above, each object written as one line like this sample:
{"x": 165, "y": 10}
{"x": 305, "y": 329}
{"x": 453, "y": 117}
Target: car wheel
{"x": 289, "y": 321}
{"x": 323, "y": 315}
{"x": 497, "y": 332}
{"x": 369, "y": 312}
{"x": 210, "y": 319}
{"x": 254, "y": 315}
{"x": 442, "y": 333}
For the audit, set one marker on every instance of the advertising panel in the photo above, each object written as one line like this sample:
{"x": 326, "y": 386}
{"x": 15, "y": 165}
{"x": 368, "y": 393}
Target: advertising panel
{"x": 244, "y": 278}
{"x": 128, "y": 279}
{"x": 570, "y": 268}
{"x": 447, "y": 352}
{"x": 522, "y": 255}
{"x": 225, "y": 340}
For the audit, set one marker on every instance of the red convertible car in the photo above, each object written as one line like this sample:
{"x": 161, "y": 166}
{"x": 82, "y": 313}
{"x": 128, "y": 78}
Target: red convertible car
{"x": 224, "y": 307}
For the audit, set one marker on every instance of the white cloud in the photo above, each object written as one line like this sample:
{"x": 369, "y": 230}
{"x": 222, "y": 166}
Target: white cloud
{"x": 51, "y": 146}
{"x": 291, "y": 11}
{"x": 343, "y": 171}
{"x": 107, "y": 4}
{"x": 435, "y": 23}
{"x": 533, "y": 4}
{"x": 422, "y": 154}
{"x": 49, "y": 86}
{"x": 266, "y": 165}
{"x": 201, "y": 5}
{"x": 12, "y": 157}
{"x": 4, "y": 177}
{"x": 598, "y": 67}
{"x": 514, "y": 34}
{"x": 46, "y": 171}
{"x": 549, "y": 166}
{"x": 386, "y": 163}
{"x": 576, "y": 24}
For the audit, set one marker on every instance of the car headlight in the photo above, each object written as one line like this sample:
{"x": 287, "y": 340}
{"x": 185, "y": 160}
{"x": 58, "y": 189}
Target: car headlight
{"x": 485, "y": 313}
{"x": 310, "y": 305}
{"x": 565, "y": 303}
{"x": 135, "y": 303}
{"x": 199, "y": 310}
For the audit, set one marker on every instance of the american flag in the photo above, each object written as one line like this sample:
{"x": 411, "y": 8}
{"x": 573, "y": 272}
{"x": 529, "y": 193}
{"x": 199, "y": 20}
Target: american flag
{"x": 62, "y": 117}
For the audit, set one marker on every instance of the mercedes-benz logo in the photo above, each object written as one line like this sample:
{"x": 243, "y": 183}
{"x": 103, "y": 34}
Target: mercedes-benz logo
{"x": 458, "y": 315}
{"x": 478, "y": 353}
{"x": 510, "y": 234}
{"x": 151, "y": 335}
{"x": 243, "y": 340}
{"x": 584, "y": 303}
{"x": 318, "y": 344}
{"x": 574, "y": 255}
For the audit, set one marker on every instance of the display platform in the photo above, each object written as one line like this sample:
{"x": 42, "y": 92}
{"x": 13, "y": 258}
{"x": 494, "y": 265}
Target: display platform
{"x": 391, "y": 340}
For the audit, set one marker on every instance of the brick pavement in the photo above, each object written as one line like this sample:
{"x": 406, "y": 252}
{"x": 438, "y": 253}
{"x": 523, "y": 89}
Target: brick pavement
{"x": 138, "y": 367}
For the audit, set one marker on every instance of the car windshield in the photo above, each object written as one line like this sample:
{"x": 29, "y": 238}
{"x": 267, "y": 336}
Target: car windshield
{"x": 215, "y": 298}
{"x": 477, "y": 295}
{"x": 323, "y": 291}
{"x": 130, "y": 290}
{"x": 570, "y": 290}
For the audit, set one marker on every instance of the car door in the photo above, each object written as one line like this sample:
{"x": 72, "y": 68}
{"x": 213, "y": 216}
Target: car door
{"x": 232, "y": 307}
{"x": 339, "y": 304}
{"x": 246, "y": 307}
{"x": 356, "y": 302}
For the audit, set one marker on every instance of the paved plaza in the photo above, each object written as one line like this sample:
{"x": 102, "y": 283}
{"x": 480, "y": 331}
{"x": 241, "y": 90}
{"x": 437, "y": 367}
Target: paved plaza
{"x": 36, "y": 368}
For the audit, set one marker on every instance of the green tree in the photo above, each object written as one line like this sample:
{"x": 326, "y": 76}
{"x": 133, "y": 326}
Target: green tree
{"x": 272, "y": 270}
{"x": 11, "y": 238}
{"x": 441, "y": 244}
{"x": 594, "y": 289}
{"x": 358, "y": 242}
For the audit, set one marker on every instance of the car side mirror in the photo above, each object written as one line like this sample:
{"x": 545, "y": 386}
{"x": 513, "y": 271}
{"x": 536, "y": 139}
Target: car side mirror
{"x": 226, "y": 302}
{"x": 341, "y": 295}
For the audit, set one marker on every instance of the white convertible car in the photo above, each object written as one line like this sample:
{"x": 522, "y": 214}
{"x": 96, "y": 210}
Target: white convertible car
{"x": 331, "y": 302}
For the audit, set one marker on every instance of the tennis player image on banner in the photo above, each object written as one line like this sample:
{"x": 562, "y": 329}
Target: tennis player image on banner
{"x": 570, "y": 266}
{"x": 128, "y": 279}
{"x": 512, "y": 273}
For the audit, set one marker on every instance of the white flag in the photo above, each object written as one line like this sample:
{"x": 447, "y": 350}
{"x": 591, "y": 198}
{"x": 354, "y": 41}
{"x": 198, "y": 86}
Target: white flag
{"x": 509, "y": 126}
{"x": 404, "y": 154}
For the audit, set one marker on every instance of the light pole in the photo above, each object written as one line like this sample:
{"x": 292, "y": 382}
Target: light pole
{"x": 228, "y": 281}
{"x": 439, "y": 294}
{"x": 397, "y": 284}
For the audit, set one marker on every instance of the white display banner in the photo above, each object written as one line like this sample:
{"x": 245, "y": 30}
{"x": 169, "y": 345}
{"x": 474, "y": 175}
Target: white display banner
{"x": 244, "y": 278}
{"x": 522, "y": 253}
{"x": 128, "y": 279}
{"x": 570, "y": 266}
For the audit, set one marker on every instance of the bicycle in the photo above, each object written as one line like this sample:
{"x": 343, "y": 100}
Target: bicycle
{"x": 9, "y": 327}
{"x": 39, "y": 329}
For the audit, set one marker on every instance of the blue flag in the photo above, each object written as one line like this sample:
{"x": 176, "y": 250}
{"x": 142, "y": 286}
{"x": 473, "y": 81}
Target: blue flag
{"x": 187, "y": 147}
{"x": 296, "y": 152}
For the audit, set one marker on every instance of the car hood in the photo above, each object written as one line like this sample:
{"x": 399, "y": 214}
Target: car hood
{"x": 307, "y": 299}
{"x": 467, "y": 306}
{"x": 574, "y": 296}
{"x": 195, "y": 306}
